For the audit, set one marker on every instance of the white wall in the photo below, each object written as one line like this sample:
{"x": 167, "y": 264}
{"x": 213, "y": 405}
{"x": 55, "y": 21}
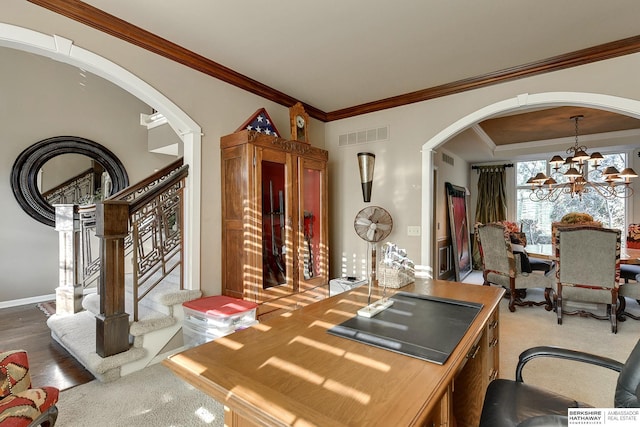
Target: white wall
{"x": 458, "y": 174}
{"x": 41, "y": 98}
{"x": 413, "y": 127}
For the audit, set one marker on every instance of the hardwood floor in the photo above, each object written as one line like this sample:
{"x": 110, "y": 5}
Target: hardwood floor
{"x": 25, "y": 328}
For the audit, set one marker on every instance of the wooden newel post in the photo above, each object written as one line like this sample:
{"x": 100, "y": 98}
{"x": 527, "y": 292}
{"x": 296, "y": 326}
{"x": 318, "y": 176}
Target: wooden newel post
{"x": 112, "y": 325}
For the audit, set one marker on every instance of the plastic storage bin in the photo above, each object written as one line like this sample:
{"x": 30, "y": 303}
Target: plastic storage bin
{"x": 208, "y": 318}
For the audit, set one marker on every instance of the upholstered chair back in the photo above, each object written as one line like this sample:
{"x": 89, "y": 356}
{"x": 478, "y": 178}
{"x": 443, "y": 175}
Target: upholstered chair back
{"x": 495, "y": 250}
{"x": 503, "y": 268}
{"x": 20, "y": 404}
{"x": 588, "y": 271}
{"x": 14, "y": 372}
{"x": 588, "y": 256}
{"x": 633, "y": 236}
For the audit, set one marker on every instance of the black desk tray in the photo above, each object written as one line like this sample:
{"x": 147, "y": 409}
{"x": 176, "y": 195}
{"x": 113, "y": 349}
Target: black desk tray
{"x": 420, "y": 326}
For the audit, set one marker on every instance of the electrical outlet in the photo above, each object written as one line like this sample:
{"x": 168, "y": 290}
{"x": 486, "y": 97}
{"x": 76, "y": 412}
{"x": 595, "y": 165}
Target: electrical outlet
{"x": 413, "y": 230}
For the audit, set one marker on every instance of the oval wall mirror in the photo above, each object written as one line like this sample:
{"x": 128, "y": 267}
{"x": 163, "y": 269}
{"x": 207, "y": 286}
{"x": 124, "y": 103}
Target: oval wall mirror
{"x": 29, "y": 164}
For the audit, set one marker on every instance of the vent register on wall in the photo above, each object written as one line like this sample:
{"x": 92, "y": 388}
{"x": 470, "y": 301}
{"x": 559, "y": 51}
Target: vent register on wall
{"x": 364, "y": 136}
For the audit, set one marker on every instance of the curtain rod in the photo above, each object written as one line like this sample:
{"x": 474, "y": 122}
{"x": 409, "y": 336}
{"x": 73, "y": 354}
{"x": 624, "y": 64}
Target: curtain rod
{"x": 506, "y": 165}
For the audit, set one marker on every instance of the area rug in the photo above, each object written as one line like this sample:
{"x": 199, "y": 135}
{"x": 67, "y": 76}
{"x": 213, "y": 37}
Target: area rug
{"x": 48, "y": 308}
{"x": 153, "y": 396}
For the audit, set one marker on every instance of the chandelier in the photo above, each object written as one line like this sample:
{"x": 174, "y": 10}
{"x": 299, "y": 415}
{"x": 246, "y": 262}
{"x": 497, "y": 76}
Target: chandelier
{"x": 614, "y": 183}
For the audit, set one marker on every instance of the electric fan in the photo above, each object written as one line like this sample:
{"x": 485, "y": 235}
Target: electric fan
{"x": 373, "y": 224}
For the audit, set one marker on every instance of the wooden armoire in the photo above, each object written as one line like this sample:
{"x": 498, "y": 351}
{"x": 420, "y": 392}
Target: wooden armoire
{"x": 274, "y": 217}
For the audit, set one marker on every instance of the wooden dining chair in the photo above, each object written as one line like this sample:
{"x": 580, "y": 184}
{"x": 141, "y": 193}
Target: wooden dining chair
{"x": 587, "y": 270}
{"x": 631, "y": 271}
{"x": 502, "y": 267}
{"x": 628, "y": 290}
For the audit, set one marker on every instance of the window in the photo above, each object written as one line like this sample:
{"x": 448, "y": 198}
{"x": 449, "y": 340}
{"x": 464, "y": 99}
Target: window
{"x": 536, "y": 217}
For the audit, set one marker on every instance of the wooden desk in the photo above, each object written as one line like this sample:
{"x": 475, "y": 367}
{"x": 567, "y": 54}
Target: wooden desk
{"x": 289, "y": 371}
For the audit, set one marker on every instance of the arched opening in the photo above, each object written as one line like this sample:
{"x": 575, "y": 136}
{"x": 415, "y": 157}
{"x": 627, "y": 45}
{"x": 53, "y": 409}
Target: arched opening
{"x": 63, "y": 50}
{"x": 629, "y": 107}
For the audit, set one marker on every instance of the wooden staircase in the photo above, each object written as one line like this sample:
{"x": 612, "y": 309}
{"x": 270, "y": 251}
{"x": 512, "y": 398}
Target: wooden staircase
{"x": 133, "y": 312}
{"x": 155, "y": 333}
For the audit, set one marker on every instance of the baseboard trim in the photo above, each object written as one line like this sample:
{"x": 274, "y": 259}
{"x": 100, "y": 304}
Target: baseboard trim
{"x": 36, "y": 300}
{"x": 25, "y": 301}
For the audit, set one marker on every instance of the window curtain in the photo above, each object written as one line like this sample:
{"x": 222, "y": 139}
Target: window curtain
{"x": 492, "y": 201}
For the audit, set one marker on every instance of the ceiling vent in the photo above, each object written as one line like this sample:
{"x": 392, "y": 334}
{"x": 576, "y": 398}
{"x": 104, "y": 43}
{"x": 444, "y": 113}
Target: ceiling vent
{"x": 364, "y": 136}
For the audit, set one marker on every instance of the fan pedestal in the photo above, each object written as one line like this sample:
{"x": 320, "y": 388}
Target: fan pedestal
{"x": 373, "y": 224}
{"x": 375, "y": 308}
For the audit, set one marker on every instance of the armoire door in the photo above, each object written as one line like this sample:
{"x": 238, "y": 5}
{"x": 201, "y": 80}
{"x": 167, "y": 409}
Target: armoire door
{"x": 312, "y": 224}
{"x": 274, "y": 198}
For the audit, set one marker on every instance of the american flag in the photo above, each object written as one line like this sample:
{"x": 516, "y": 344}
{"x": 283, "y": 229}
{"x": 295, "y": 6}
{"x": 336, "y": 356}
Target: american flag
{"x": 260, "y": 122}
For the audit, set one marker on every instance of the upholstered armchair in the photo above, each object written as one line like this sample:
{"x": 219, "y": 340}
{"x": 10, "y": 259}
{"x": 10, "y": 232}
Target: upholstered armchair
{"x": 633, "y": 236}
{"x": 502, "y": 267}
{"x": 627, "y": 290}
{"x": 587, "y": 270}
{"x": 509, "y": 403}
{"x": 631, "y": 271}
{"x": 21, "y": 405}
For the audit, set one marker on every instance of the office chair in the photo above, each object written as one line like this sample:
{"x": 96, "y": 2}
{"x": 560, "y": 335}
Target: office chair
{"x": 509, "y": 403}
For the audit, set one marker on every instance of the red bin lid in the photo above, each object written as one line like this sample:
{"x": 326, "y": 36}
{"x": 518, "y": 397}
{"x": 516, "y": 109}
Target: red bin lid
{"x": 220, "y": 305}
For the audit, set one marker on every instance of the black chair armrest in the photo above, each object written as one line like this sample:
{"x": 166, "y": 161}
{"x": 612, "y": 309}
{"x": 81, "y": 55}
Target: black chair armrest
{"x": 563, "y": 353}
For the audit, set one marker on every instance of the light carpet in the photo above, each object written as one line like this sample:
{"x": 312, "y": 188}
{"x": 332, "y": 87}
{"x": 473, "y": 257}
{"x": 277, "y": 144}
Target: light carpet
{"x": 156, "y": 397}
{"x": 534, "y": 326}
{"x": 153, "y": 396}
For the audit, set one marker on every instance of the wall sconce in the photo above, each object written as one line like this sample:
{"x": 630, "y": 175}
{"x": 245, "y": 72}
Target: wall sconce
{"x": 366, "y": 161}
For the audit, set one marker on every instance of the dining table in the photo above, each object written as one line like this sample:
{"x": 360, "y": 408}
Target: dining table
{"x": 545, "y": 251}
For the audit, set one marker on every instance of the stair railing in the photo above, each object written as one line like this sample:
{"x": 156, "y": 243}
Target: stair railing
{"x": 143, "y": 222}
{"x": 72, "y": 190}
{"x": 155, "y": 240}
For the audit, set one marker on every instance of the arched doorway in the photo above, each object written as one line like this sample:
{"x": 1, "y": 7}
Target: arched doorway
{"x": 63, "y": 50}
{"x": 629, "y": 107}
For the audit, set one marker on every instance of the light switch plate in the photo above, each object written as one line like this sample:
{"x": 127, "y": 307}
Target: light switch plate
{"x": 413, "y": 230}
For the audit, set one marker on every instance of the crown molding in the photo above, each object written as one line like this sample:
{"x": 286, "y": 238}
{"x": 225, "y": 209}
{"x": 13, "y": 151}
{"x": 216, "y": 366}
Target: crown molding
{"x": 573, "y": 59}
{"x": 114, "y": 26}
{"x": 102, "y": 21}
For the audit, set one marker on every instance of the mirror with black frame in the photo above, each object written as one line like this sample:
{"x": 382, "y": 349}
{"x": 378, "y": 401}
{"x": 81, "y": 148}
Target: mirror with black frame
{"x": 73, "y": 179}
{"x": 64, "y": 169}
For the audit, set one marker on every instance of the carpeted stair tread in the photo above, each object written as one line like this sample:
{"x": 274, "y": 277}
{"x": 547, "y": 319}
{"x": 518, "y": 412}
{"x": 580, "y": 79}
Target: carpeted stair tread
{"x": 155, "y": 313}
{"x": 151, "y": 323}
{"x": 148, "y": 320}
{"x": 77, "y": 333}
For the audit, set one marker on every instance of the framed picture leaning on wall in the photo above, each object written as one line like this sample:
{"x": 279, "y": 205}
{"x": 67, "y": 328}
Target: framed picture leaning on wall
{"x": 459, "y": 228}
